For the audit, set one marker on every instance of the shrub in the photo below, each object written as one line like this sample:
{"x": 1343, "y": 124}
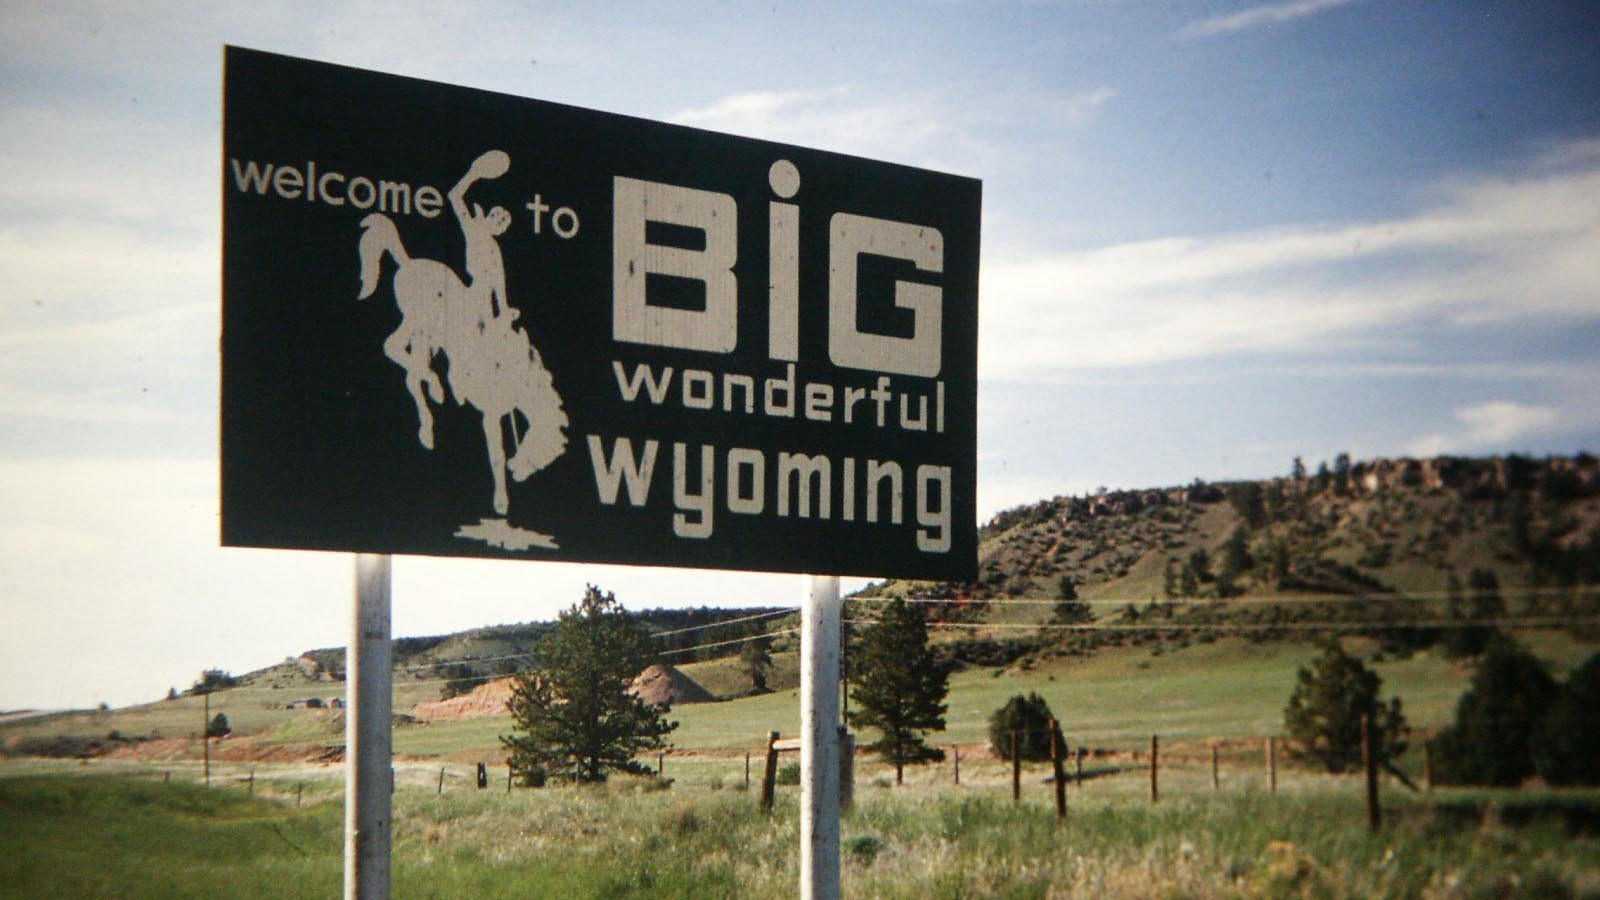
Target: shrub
{"x": 1488, "y": 743}
{"x": 1030, "y": 716}
{"x": 1564, "y": 746}
{"x": 789, "y": 773}
{"x": 863, "y": 848}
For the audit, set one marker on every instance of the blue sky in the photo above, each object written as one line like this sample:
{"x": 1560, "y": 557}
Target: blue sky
{"x": 1217, "y": 235}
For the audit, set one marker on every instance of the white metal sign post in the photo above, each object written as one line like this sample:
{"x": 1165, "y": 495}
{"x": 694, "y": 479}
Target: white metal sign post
{"x": 819, "y": 739}
{"x": 368, "y": 761}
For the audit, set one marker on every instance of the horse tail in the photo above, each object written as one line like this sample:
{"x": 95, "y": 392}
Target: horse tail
{"x": 378, "y": 236}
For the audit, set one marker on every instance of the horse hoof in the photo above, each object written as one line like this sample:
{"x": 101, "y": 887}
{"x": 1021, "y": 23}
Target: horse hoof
{"x": 425, "y": 435}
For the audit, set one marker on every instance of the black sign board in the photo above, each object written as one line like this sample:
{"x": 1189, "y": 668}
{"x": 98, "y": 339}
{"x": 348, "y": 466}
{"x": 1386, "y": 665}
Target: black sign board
{"x": 464, "y": 323}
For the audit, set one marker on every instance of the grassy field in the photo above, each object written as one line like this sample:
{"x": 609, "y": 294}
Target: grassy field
{"x": 1229, "y": 689}
{"x": 109, "y": 830}
{"x": 145, "y": 826}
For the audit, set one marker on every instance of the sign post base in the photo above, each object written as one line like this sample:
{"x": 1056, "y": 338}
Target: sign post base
{"x": 368, "y": 758}
{"x": 819, "y": 739}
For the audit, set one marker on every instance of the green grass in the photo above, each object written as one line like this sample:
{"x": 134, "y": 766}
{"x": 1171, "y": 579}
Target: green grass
{"x": 115, "y": 837}
{"x": 71, "y": 835}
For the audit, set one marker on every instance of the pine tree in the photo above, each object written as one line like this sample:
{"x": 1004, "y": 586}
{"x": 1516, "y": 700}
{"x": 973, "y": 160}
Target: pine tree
{"x": 1236, "y": 560}
{"x": 218, "y": 726}
{"x": 574, "y": 714}
{"x": 1480, "y": 607}
{"x": 1069, "y": 610}
{"x": 1323, "y": 717}
{"x": 756, "y": 657}
{"x": 1489, "y": 742}
{"x": 1564, "y": 747}
{"x": 899, "y": 685}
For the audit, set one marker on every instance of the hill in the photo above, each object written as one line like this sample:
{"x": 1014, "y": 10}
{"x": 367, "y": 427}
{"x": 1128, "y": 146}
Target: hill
{"x": 1381, "y": 545}
{"x": 1385, "y": 547}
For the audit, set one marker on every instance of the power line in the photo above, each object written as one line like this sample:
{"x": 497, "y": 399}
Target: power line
{"x": 1402, "y": 596}
{"x": 786, "y": 611}
{"x": 492, "y": 676}
{"x": 1524, "y": 622}
{"x": 488, "y": 659}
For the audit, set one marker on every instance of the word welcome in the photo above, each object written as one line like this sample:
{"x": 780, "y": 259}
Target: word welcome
{"x": 335, "y": 188}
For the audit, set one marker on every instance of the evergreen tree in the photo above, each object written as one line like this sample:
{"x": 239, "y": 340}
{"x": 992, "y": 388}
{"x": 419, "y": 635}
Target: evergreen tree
{"x": 1236, "y": 560}
{"x": 756, "y": 657}
{"x": 1341, "y": 473}
{"x": 899, "y": 685}
{"x": 1489, "y": 742}
{"x": 1030, "y": 717}
{"x": 1323, "y": 717}
{"x": 212, "y": 680}
{"x": 1566, "y": 747}
{"x": 1248, "y": 502}
{"x": 459, "y": 679}
{"x": 575, "y": 716}
{"x": 1478, "y": 609}
{"x": 1069, "y": 610}
{"x": 218, "y": 726}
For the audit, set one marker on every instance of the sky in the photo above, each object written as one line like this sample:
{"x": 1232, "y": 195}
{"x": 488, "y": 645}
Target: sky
{"x": 1216, "y": 236}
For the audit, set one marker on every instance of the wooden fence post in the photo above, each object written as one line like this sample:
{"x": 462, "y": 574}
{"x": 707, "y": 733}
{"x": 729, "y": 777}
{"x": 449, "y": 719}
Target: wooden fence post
{"x": 769, "y": 781}
{"x": 1369, "y": 761}
{"x": 298, "y": 788}
{"x": 847, "y": 768}
{"x": 509, "y": 771}
{"x": 661, "y": 764}
{"x": 1272, "y": 765}
{"x": 1155, "y": 769}
{"x": 252, "y": 779}
{"x": 1079, "y": 776}
{"x": 1216, "y": 781}
{"x": 747, "y": 770}
{"x": 205, "y": 736}
{"x": 1058, "y": 772}
{"x": 957, "y": 752}
{"x": 441, "y": 781}
{"x": 1016, "y": 768}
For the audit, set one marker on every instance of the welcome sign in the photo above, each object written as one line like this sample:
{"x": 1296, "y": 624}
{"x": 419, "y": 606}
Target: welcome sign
{"x": 463, "y": 323}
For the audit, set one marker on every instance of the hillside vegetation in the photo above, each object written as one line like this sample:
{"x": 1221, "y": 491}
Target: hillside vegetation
{"x": 1199, "y": 602}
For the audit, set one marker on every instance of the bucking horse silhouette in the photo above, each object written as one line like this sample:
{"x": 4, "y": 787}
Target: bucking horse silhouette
{"x": 491, "y": 362}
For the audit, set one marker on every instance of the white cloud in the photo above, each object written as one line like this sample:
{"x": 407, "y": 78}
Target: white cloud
{"x": 1256, "y": 16}
{"x": 1498, "y": 423}
{"x": 833, "y": 118}
{"x": 1491, "y": 251}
